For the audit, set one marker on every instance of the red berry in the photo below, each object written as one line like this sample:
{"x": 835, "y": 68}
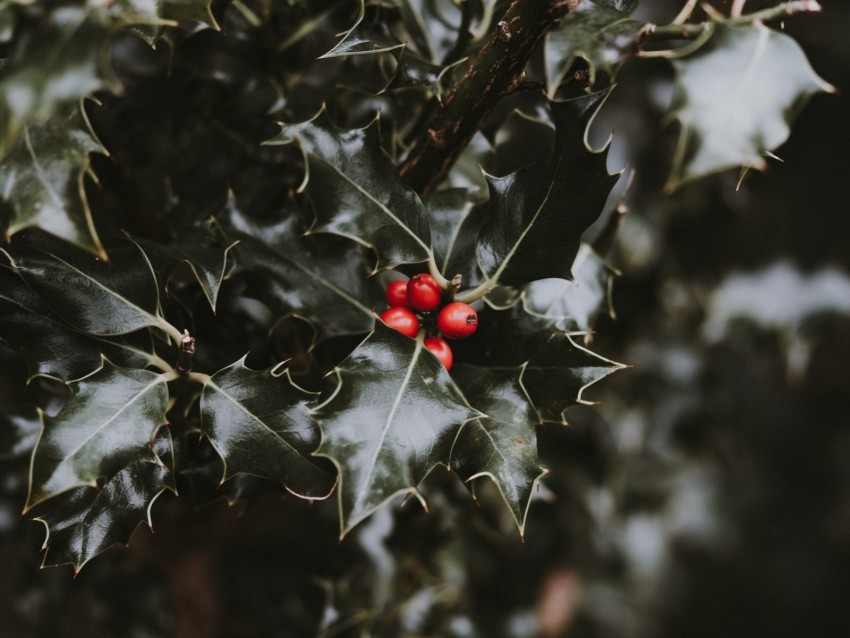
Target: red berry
{"x": 440, "y": 349}
{"x": 397, "y": 294}
{"x": 401, "y": 319}
{"x": 423, "y": 293}
{"x": 457, "y": 320}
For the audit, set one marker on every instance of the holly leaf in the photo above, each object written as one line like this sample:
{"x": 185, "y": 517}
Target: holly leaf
{"x": 600, "y": 34}
{"x": 92, "y": 295}
{"x": 356, "y": 191}
{"x": 736, "y": 97}
{"x": 555, "y": 371}
{"x": 58, "y": 57}
{"x": 86, "y": 521}
{"x": 162, "y": 12}
{"x": 538, "y": 213}
{"x": 392, "y": 418}
{"x": 320, "y": 278}
{"x": 107, "y": 424}
{"x": 259, "y": 423}
{"x": 574, "y": 305}
{"x": 41, "y": 180}
{"x": 503, "y": 447}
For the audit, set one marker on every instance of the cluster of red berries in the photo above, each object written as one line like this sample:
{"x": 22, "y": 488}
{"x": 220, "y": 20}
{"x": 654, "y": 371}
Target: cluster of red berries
{"x": 421, "y": 293}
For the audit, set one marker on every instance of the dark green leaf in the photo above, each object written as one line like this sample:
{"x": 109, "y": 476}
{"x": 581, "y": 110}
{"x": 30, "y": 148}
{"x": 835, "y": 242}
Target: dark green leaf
{"x": 41, "y": 180}
{"x": 574, "y": 305}
{"x": 162, "y": 11}
{"x": 555, "y": 370}
{"x": 736, "y": 97}
{"x": 357, "y": 192}
{"x": 18, "y": 433}
{"x": 538, "y": 213}
{"x": 392, "y": 419}
{"x": 59, "y": 57}
{"x": 92, "y": 295}
{"x": 86, "y": 521}
{"x": 108, "y": 424}
{"x": 260, "y": 424}
{"x": 503, "y": 447}
{"x": 600, "y": 34}
{"x": 323, "y": 279}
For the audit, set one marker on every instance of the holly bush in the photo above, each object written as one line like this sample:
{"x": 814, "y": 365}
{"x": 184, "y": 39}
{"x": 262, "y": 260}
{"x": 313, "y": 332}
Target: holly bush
{"x": 205, "y": 202}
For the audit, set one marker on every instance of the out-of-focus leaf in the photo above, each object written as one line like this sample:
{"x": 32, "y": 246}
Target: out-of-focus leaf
{"x": 538, "y": 213}
{"x": 323, "y": 279}
{"x": 503, "y": 447}
{"x": 364, "y": 38}
{"x": 600, "y": 34}
{"x": 86, "y": 521}
{"x": 41, "y": 180}
{"x": 92, "y": 295}
{"x": 574, "y": 305}
{"x": 260, "y": 424}
{"x": 555, "y": 370}
{"x": 18, "y": 433}
{"x": 392, "y": 419}
{"x": 59, "y": 57}
{"x": 456, "y": 219}
{"x": 107, "y": 424}
{"x": 357, "y": 192}
{"x": 163, "y": 12}
{"x": 735, "y": 98}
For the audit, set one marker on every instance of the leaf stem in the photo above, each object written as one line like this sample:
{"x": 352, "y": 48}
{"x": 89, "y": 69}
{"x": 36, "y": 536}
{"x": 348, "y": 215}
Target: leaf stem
{"x": 683, "y": 31}
{"x": 435, "y": 272}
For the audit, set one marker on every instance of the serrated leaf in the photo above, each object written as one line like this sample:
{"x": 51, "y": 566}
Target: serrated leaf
{"x": 573, "y": 305}
{"x": 162, "y": 12}
{"x": 41, "y": 180}
{"x": 92, "y": 295}
{"x": 503, "y": 447}
{"x": 735, "y": 98}
{"x": 260, "y": 424}
{"x": 600, "y": 34}
{"x": 357, "y": 192}
{"x": 391, "y": 420}
{"x": 58, "y": 58}
{"x": 555, "y": 370}
{"x": 86, "y": 521}
{"x": 323, "y": 279}
{"x": 538, "y": 213}
{"x": 107, "y": 424}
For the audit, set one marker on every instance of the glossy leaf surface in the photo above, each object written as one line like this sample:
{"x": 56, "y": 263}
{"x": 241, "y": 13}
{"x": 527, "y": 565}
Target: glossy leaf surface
{"x": 538, "y": 213}
{"x": 392, "y": 419}
{"x": 41, "y": 180}
{"x": 107, "y": 424}
{"x": 86, "y": 521}
{"x": 260, "y": 424}
{"x": 456, "y": 219}
{"x": 503, "y": 447}
{"x": 356, "y": 191}
{"x": 736, "y": 97}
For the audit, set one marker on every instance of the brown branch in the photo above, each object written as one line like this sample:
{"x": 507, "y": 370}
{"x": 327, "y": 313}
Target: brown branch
{"x": 496, "y": 71}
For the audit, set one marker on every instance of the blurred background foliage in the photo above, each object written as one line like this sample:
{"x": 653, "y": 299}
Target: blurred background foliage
{"x": 707, "y": 495}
